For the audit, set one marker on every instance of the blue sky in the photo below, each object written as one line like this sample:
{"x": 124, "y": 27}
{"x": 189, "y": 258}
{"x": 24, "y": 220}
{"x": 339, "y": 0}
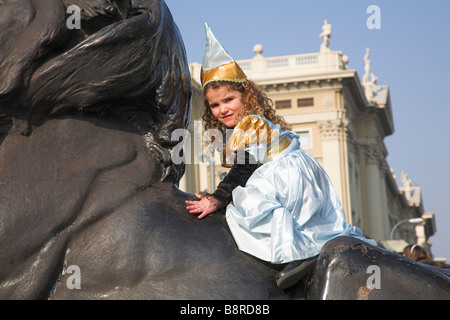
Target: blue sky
{"x": 410, "y": 54}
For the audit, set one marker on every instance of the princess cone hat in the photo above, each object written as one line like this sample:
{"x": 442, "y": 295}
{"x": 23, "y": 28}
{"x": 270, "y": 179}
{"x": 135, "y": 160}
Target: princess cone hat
{"x": 217, "y": 64}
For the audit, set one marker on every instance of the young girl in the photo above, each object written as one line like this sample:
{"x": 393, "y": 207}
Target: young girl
{"x": 281, "y": 205}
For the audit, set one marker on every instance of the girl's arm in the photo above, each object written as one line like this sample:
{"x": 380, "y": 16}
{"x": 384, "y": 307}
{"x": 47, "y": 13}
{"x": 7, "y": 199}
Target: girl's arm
{"x": 237, "y": 176}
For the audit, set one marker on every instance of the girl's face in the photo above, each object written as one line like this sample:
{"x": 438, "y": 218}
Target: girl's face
{"x": 226, "y": 104}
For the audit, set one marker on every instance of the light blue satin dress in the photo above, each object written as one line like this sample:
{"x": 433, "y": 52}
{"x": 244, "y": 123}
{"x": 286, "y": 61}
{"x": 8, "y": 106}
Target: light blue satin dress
{"x": 288, "y": 208}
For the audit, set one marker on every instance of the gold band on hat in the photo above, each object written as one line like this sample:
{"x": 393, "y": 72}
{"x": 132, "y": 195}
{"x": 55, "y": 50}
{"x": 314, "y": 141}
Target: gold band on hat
{"x": 227, "y": 72}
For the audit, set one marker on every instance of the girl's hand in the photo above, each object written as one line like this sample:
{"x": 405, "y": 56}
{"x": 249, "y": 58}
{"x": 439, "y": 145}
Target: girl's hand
{"x": 205, "y": 206}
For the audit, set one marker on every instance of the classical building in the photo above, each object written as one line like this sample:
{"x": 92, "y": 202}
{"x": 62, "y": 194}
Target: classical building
{"x": 342, "y": 122}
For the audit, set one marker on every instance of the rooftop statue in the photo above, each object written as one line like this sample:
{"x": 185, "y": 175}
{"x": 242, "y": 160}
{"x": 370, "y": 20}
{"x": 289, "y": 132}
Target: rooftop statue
{"x": 86, "y": 178}
{"x": 326, "y": 35}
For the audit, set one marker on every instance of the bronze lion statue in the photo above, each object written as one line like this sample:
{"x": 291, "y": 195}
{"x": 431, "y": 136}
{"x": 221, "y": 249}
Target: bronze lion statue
{"x": 89, "y": 204}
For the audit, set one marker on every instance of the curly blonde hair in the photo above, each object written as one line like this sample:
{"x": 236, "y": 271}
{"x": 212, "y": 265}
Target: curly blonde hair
{"x": 255, "y": 102}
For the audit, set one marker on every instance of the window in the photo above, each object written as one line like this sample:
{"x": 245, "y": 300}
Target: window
{"x": 285, "y": 104}
{"x": 308, "y": 102}
{"x": 304, "y": 138}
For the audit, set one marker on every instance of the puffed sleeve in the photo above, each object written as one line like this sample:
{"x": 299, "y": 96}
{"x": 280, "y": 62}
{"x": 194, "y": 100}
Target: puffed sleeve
{"x": 252, "y": 135}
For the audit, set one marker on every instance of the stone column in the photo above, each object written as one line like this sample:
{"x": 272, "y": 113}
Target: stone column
{"x": 355, "y": 196}
{"x": 376, "y": 200}
{"x": 334, "y": 158}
